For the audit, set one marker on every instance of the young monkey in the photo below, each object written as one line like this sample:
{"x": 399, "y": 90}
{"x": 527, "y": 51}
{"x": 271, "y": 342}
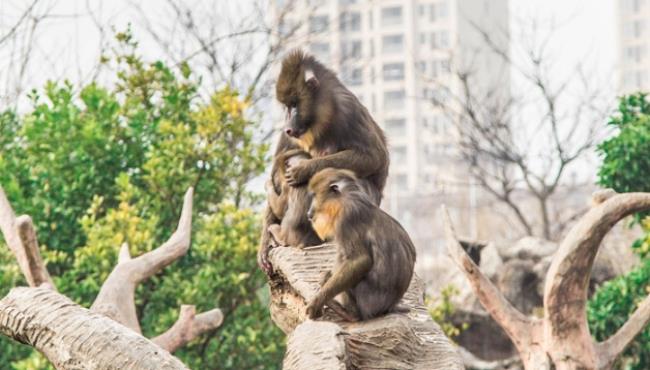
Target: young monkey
{"x": 375, "y": 256}
{"x": 290, "y": 204}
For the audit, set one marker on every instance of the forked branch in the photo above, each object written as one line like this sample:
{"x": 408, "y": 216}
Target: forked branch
{"x": 519, "y": 327}
{"x": 188, "y": 326}
{"x": 116, "y": 297}
{"x": 20, "y": 237}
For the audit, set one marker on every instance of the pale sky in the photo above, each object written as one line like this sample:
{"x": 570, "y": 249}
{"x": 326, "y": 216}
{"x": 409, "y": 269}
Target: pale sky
{"x": 68, "y": 45}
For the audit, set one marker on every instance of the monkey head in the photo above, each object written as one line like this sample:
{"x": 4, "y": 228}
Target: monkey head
{"x": 298, "y": 90}
{"x": 328, "y": 190}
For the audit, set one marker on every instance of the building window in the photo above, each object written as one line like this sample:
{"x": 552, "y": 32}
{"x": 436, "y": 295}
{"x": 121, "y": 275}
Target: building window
{"x": 351, "y": 49}
{"x": 398, "y": 154}
{"x": 440, "y": 40}
{"x": 394, "y": 72}
{"x": 636, "y": 29}
{"x": 350, "y": 21}
{"x": 400, "y": 181}
{"x": 635, "y": 54}
{"x": 352, "y": 76}
{"x": 321, "y": 50}
{"x": 319, "y": 24}
{"x": 392, "y": 44}
{"x": 347, "y": 2}
{"x": 391, "y": 16}
{"x": 440, "y": 68}
{"x": 395, "y": 127}
{"x": 633, "y": 6}
{"x": 394, "y": 99}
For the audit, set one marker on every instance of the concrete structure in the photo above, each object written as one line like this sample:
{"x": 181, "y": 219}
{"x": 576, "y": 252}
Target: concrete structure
{"x": 634, "y": 41}
{"x": 397, "y": 56}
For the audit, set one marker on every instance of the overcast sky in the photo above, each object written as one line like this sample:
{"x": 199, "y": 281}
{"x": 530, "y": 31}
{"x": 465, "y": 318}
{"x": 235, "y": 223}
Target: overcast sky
{"x": 69, "y": 45}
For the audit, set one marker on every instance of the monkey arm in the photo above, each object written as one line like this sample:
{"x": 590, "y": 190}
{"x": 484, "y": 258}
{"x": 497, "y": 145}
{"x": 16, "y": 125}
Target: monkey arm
{"x": 346, "y": 276}
{"x": 361, "y": 163}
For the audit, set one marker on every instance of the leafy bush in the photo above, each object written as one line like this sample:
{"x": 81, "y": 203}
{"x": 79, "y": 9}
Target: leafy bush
{"x": 626, "y": 162}
{"x": 96, "y": 167}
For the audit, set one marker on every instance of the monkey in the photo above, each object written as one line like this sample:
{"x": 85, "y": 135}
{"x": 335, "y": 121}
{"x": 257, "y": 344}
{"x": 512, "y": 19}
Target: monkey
{"x": 375, "y": 255}
{"x": 291, "y": 205}
{"x": 268, "y": 216}
{"x": 327, "y": 120}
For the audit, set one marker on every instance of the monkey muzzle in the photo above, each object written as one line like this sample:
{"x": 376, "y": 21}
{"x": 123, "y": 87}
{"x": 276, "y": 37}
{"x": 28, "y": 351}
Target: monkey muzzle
{"x": 291, "y": 123}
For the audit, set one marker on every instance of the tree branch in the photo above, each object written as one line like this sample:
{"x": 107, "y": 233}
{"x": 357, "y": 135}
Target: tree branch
{"x": 116, "y": 297}
{"x": 616, "y": 344}
{"x": 188, "y": 327}
{"x": 567, "y": 280}
{"x": 518, "y": 327}
{"x": 21, "y": 239}
{"x": 72, "y": 337}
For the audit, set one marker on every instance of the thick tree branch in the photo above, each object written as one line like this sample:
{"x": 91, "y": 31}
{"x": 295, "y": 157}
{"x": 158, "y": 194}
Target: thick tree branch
{"x": 72, "y": 337}
{"x": 610, "y": 349}
{"x": 567, "y": 280}
{"x": 21, "y": 239}
{"x": 188, "y": 326}
{"x": 116, "y": 297}
{"x": 408, "y": 339}
{"x": 518, "y": 327}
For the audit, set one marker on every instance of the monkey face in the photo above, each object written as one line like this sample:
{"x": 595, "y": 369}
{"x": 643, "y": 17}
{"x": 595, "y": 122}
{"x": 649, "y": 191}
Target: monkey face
{"x": 296, "y": 89}
{"x": 327, "y": 190}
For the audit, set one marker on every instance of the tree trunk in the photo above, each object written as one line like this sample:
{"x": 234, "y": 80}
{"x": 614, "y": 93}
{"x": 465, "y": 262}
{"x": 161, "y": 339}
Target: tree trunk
{"x": 404, "y": 340}
{"x": 71, "y": 337}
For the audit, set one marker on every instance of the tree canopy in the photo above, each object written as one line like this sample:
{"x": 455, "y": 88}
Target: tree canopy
{"x": 96, "y": 166}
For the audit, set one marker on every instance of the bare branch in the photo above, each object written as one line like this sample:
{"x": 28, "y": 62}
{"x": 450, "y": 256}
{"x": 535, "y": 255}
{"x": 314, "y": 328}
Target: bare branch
{"x": 70, "y": 336}
{"x": 567, "y": 280}
{"x": 188, "y": 327}
{"x": 610, "y": 349}
{"x": 518, "y": 327}
{"x": 116, "y": 297}
{"x": 21, "y": 239}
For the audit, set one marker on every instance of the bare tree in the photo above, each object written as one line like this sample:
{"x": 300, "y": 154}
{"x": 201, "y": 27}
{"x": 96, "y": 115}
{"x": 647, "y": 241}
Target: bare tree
{"x": 108, "y": 335}
{"x": 561, "y": 338}
{"x": 520, "y": 143}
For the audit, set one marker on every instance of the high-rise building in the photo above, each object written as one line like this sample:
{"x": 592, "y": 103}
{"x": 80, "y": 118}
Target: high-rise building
{"x": 634, "y": 41}
{"x": 398, "y": 56}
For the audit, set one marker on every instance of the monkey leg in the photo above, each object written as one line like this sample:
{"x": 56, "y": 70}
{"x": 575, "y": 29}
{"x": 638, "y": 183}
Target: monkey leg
{"x": 346, "y": 275}
{"x": 276, "y": 234}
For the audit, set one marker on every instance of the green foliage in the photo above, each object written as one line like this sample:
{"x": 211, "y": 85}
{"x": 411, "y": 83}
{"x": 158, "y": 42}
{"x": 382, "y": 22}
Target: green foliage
{"x": 625, "y": 167}
{"x": 96, "y": 167}
{"x": 442, "y": 311}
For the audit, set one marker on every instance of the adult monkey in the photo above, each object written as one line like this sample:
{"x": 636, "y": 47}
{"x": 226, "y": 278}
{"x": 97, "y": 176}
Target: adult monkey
{"x": 326, "y": 120}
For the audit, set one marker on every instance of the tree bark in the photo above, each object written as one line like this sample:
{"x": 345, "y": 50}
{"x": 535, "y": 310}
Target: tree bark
{"x": 403, "y": 340}
{"x": 561, "y": 339}
{"x": 72, "y": 337}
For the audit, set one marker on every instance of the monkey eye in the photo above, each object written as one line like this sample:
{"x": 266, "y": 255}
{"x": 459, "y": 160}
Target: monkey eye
{"x": 334, "y": 188}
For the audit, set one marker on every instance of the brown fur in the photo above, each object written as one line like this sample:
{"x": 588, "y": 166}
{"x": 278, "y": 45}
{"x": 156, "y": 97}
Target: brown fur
{"x": 291, "y": 205}
{"x": 375, "y": 256}
{"x": 328, "y": 121}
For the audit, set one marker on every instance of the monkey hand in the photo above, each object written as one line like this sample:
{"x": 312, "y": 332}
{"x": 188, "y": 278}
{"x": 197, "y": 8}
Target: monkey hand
{"x": 299, "y": 173}
{"x": 315, "y": 308}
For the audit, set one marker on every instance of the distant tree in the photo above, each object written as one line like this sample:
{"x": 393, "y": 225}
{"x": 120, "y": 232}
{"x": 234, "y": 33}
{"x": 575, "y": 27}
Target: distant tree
{"x": 521, "y": 141}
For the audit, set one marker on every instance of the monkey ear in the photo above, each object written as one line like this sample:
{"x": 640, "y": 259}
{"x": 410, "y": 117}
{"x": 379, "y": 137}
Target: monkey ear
{"x": 338, "y": 186}
{"x": 311, "y": 80}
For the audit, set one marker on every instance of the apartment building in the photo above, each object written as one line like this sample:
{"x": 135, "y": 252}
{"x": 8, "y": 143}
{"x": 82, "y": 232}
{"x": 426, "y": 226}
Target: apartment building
{"x": 634, "y": 41}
